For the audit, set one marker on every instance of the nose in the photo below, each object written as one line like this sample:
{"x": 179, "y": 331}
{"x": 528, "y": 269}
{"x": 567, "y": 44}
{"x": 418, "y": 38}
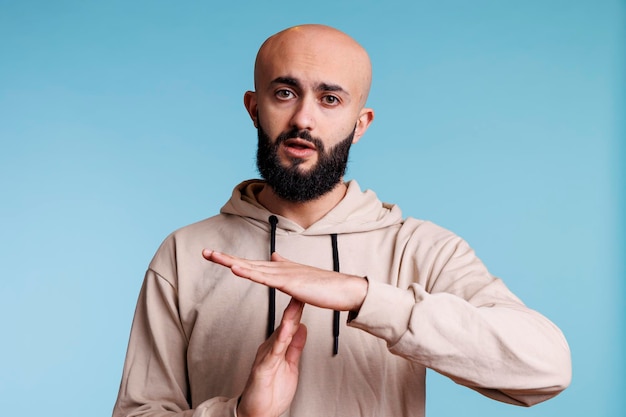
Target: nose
{"x": 303, "y": 117}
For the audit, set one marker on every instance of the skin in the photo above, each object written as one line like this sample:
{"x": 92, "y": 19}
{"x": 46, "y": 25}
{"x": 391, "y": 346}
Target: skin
{"x": 314, "y": 78}
{"x": 274, "y": 376}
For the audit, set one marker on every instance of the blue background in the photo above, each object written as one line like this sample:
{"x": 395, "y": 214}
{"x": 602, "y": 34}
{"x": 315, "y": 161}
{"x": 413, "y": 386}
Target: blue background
{"x": 122, "y": 121}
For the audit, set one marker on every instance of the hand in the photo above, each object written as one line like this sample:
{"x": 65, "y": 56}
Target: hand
{"x": 274, "y": 377}
{"x": 318, "y": 287}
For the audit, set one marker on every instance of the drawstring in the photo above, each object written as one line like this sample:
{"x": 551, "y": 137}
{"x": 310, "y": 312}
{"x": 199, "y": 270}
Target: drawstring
{"x": 271, "y": 314}
{"x": 333, "y": 239}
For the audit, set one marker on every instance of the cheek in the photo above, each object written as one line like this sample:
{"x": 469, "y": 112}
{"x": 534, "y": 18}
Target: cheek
{"x": 270, "y": 123}
{"x": 339, "y": 131}
{"x": 273, "y": 116}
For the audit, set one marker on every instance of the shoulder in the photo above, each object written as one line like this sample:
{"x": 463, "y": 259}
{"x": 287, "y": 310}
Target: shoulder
{"x": 427, "y": 232}
{"x": 187, "y": 242}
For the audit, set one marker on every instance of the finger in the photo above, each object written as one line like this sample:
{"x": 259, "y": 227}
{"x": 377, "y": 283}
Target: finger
{"x": 294, "y": 350}
{"x": 263, "y": 272}
{"x": 231, "y": 262}
{"x": 288, "y": 327}
{"x": 293, "y": 311}
{"x": 277, "y": 258}
{"x": 237, "y": 265}
{"x": 219, "y": 258}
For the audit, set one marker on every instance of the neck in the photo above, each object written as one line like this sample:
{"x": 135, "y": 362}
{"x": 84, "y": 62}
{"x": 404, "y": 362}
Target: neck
{"x": 306, "y": 213}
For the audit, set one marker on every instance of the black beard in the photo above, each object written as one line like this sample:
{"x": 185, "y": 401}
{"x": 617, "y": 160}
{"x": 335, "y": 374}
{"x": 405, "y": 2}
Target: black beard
{"x": 289, "y": 183}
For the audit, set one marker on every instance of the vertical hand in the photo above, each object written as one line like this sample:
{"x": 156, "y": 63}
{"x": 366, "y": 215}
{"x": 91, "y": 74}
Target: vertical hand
{"x": 274, "y": 377}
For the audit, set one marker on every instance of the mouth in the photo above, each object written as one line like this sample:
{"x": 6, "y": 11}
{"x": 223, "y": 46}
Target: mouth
{"x": 298, "y": 149}
{"x": 299, "y": 144}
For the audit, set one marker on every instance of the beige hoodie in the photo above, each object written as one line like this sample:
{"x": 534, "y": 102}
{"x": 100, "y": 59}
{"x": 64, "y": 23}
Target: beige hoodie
{"x": 431, "y": 303}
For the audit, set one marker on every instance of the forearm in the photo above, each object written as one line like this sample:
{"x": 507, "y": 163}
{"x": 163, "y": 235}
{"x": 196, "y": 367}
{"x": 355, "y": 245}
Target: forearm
{"x": 214, "y": 407}
{"x": 154, "y": 380}
{"x": 505, "y": 351}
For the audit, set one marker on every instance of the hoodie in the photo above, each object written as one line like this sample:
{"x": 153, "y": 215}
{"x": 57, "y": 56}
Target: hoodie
{"x": 431, "y": 303}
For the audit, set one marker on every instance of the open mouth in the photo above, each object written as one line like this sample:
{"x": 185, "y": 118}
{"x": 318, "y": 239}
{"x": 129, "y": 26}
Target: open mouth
{"x": 298, "y": 149}
{"x": 299, "y": 144}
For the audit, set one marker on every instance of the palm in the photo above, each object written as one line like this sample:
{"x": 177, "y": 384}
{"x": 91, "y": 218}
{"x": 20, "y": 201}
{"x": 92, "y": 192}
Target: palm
{"x": 274, "y": 376}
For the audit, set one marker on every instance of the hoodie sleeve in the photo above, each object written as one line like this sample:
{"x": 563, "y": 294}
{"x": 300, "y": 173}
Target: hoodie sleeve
{"x": 446, "y": 312}
{"x": 154, "y": 380}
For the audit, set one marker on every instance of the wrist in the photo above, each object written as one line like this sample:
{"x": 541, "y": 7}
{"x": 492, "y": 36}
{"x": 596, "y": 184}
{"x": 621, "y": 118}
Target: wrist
{"x": 361, "y": 286}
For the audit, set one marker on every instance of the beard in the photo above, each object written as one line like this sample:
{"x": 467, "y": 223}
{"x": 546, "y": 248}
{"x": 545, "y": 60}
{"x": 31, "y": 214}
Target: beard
{"x": 291, "y": 183}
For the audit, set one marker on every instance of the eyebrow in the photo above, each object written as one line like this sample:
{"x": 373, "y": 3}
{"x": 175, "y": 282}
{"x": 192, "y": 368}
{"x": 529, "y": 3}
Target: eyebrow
{"x": 293, "y": 82}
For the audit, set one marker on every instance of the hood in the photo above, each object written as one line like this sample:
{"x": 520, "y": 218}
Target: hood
{"x": 359, "y": 211}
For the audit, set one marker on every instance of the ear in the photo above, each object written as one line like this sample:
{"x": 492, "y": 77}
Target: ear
{"x": 366, "y": 117}
{"x": 249, "y": 100}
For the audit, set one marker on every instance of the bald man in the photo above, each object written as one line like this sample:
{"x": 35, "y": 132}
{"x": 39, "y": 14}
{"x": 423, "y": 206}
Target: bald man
{"x": 370, "y": 300}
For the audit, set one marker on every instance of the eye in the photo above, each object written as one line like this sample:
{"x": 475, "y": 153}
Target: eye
{"x": 330, "y": 100}
{"x": 284, "y": 94}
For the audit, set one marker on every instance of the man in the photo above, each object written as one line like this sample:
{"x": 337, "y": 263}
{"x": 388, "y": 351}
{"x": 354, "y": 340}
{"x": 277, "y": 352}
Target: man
{"x": 372, "y": 300}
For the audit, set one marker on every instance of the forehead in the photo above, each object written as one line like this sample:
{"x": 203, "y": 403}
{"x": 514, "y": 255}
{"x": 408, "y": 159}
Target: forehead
{"x": 311, "y": 61}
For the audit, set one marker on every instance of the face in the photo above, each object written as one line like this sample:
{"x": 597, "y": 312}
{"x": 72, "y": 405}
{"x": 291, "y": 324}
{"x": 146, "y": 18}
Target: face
{"x": 289, "y": 182}
{"x": 311, "y": 86}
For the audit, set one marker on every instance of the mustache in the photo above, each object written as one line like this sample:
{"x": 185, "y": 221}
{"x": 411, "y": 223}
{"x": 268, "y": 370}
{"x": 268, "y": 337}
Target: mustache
{"x": 300, "y": 134}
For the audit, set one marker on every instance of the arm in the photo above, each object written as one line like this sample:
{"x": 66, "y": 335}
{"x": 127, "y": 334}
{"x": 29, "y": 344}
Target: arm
{"x": 154, "y": 382}
{"x": 459, "y": 320}
{"x": 504, "y": 351}
{"x": 462, "y": 322}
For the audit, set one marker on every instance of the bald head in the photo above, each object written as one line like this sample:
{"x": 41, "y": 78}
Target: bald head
{"x": 316, "y": 48}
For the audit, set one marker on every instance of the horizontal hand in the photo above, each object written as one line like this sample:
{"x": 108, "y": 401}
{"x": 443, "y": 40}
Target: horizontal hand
{"x": 318, "y": 287}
